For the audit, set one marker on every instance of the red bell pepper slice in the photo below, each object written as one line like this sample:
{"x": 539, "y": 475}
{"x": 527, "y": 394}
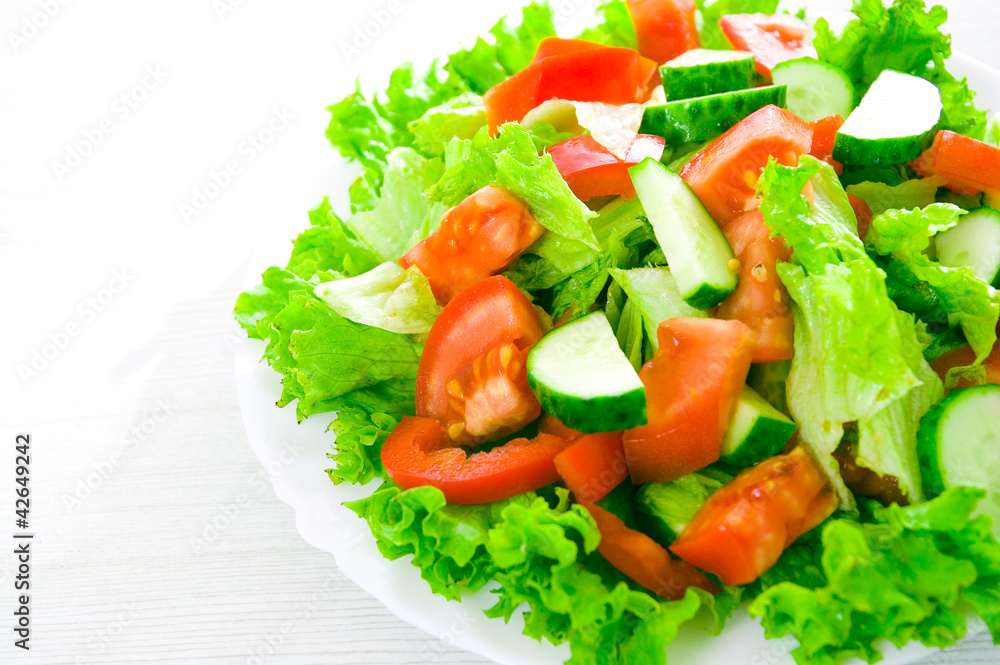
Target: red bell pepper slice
{"x": 419, "y": 452}
{"x": 664, "y": 28}
{"x": 591, "y": 170}
{"x": 772, "y": 38}
{"x": 611, "y": 75}
{"x": 594, "y": 465}
{"x": 692, "y": 384}
{"x": 967, "y": 165}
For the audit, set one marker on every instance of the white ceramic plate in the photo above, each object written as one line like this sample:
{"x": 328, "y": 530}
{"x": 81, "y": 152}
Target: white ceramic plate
{"x": 295, "y": 457}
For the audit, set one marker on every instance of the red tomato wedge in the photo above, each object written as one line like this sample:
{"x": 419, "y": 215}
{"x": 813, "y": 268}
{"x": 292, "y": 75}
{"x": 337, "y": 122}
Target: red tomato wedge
{"x": 967, "y": 165}
{"x": 724, "y": 175}
{"x": 665, "y": 28}
{"x": 824, "y": 136}
{"x": 591, "y": 170}
{"x": 964, "y": 356}
{"x": 419, "y": 452}
{"x": 644, "y": 561}
{"x": 692, "y": 387}
{"x": 760, "y": 300}
{"x": 472, "y": 376}
{"x": 863, "y": 212}
{"x": 611, "y": 75}
{"x": 558, "y": 46}
{"x": 479, "y": 237}
{"x": 744, "y": 527}
{"x": 772, "y": 38}
{"x": 594, "y": 465}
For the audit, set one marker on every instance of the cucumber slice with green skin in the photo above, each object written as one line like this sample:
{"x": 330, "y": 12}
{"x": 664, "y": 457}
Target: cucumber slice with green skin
{"x": 662, "y": 510}
{"x": 700, "y": 72}
{"x": 815, "y": 89}
{"x": 701, "y": 260}
{"x": 703, "y": 118}
{"x": 581, "y": 377}
{"x": 893, "y": 124}
{"x": 973, "y": 242}
{"x": 758, "y": 431}
{"x": 957, "y": 446}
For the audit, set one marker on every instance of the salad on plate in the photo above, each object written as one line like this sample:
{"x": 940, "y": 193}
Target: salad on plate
{"x": 691, "y": 314}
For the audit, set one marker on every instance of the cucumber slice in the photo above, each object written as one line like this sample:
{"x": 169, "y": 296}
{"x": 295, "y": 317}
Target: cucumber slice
{"x": 700, "y": 72}
{"x": 815, "y": 89}
{"x": 700, "y": 258}
{"x": 664, "y": 509}
{"x": 582, "y": 377}
{"x": 894, "y": 123}
{"x": 958, "y": 442}
{"x": 758, "y": 431}
{"x": 703, "y": 118}
{"x": 973, "y": 242}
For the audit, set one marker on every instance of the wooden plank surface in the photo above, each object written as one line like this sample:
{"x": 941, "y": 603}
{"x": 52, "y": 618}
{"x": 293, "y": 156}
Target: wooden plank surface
{"x": 158, "y": 538}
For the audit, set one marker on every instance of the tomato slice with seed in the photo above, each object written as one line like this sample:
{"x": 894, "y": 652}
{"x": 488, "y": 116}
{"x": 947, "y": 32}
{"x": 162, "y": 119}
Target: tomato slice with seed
{"x": 724, "y": 175}
{"x": 419, "y": 452}
{"x": 479, "y": 237}
{"x": 472, "y": 375}
{"x": 744, "y": 527}
{"x": 760, "y": 300}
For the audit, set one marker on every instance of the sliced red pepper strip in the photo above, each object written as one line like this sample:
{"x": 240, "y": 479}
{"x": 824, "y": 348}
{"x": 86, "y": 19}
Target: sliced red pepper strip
{"x": 968, "y": 166}
{"x": 594, "y": 465}
{"x": 643, "y": 560}
{"x": 611, "y": 75}
{"x": 419, "y": 452}
{"x": 591, "y": 170}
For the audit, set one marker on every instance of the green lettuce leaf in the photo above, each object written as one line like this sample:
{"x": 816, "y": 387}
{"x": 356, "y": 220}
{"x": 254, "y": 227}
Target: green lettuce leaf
{"x": 711, "y": 34}
{"x": 256, "y": 308}
{"x": 323, "y": 356}
{"x": 386, "y": 297}
{"x": 854, "y": 351}
{"x": 512, "y": 49}
{"x": 358, "y": 446}
{"x": 448, "y": 542}
{"x": 905, "y": 37}
{"x": 969, "y": 302}
{"x": 880, "y": 197}
{"x": 460, "y": 117}
{"x": 655, "y": 295}
{"x": 616, "y": 27}
{"x": 901, "y": 577}
{"x": 367, "y": 130}
{"x": 403, "y": 215}
{"x": 329, "y": 245}
{"x": 511, "y": 161}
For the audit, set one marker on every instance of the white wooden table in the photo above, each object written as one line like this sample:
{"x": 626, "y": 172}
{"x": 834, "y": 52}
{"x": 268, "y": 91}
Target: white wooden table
{"x": 157, "y": 537}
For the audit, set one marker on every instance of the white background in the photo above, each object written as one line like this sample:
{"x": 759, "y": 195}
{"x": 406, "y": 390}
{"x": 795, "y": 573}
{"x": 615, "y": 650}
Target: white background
{"x": 158, "y": 537}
